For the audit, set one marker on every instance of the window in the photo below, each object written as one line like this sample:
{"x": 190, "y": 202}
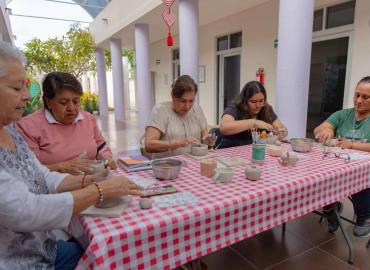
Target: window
{"x": 236, "y": 40}
{"x": 341, "y": 14}
{"x": 229, "y": 41}
{"x": 318, "y": 19}
{"x": 223, "y": 43}
{"x": 334, "y": 16}
{"x": 175, "y": 54}
{"x": 175, "y": 64}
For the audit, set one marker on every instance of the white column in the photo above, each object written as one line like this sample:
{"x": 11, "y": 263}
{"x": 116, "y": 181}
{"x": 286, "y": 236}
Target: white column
{"x": 93, "y": 84}
{"x": 102, "y": 81}
{"x": 189, "y": 40}
{"x": 117, "y": 74}
{"x": 85, "y": 83}
{"x": 293, "y": 64}
{"x": 126, "y": 86}
{"x": 144, "y": 101}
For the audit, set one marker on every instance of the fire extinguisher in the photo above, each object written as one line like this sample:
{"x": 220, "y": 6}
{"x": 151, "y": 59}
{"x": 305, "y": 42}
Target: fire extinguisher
{"x": 260, "y": 75}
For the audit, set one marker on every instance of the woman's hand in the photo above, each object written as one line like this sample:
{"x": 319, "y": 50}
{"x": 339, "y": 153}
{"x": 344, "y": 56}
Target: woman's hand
{"x": 110, "y": 163}
{"x": 324, "y": 135}
{"x": 183, "y": 142}
{"x": 75, "y": 166}
{"x": 100, "y": 176}
{"x": 281, "y": 133}
{"x": 259, "y": 124}
{"x": 345, "y": 144}
{"x": 118, "y": 186}
{"x": 209, "y": 139}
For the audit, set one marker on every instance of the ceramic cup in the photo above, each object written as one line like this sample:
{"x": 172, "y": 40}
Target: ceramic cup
{"x": 274, "y": 150}
{"x": 258, "y": 153}
{"x": 223, "y": 175}
{"x": 252, "y": 173}
{"x": 207, "y": 167}
{"x": 288, "y": 159}
{"x": 199, "y": 149}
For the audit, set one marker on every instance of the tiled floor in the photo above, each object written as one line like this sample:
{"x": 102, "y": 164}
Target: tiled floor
{"x": 306, "y": 243}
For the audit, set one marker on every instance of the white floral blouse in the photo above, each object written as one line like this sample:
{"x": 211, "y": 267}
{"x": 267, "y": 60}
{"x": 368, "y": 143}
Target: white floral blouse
{"x": 28, "y": 209}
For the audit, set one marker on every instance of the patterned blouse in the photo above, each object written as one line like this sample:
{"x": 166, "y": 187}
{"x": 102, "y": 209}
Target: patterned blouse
{"x": 28, "y": 209}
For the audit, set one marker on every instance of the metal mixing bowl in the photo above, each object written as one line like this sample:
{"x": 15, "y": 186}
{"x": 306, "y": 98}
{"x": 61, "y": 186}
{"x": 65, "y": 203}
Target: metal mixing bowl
{"x": 166, "y": 169}
{"x": 301, "y": 144}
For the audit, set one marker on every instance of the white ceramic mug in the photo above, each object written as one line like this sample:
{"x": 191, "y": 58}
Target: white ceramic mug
{"x": 223, "y": 175}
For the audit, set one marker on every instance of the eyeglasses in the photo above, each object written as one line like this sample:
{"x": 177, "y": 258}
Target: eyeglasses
{"x": 343, "y": 156}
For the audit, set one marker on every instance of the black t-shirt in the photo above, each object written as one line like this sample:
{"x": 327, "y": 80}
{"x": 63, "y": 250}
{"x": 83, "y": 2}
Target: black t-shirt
{"x": 245, "y": 137}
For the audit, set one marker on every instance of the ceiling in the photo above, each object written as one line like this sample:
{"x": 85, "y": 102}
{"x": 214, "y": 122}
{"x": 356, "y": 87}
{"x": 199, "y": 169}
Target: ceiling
{"x": 209, "y": 11}
{"x": 93, "y": 7}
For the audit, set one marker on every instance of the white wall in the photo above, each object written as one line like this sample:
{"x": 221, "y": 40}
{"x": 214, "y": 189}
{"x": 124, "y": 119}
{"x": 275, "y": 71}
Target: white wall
{"x": 163, "y": 71}
{"x": 5, "y": 28}
{"x": 259, "y": 27}
{"x": 129, "y": 86}
{"x": 360, "y": 66}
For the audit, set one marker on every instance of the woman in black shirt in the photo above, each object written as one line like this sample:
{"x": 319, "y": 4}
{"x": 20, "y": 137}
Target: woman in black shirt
{"x": 250, "y": 110}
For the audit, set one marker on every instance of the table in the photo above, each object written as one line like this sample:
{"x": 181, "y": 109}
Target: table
{"x": 164, "y": 238}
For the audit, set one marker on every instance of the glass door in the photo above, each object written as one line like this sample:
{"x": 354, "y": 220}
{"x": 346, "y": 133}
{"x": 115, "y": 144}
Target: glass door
{"x": 327, "y": 80}
{"x": 229, "y": 80}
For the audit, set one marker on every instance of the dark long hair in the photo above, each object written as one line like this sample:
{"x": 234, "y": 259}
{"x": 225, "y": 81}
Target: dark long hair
{"x": 241, "y": 102}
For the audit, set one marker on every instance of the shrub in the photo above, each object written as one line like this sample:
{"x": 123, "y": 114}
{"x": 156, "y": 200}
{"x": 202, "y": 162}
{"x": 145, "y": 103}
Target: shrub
{"x": 35, "y": 101}
{"x": 90, "y": 102}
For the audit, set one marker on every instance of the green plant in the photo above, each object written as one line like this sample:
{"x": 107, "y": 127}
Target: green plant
{"x": 73, "y": 53}
{"x": 90, "y": 102}
{"x": 35, "y": 101}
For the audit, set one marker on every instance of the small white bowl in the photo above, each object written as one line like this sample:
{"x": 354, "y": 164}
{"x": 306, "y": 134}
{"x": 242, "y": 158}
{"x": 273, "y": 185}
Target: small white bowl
{"x": 272, "y": 139}
{"x": 274, "y": 150}
{"x": 331, "y": 143}
{"x": 199, "y": 149}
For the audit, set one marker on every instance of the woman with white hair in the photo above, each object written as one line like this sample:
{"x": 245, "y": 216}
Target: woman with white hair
{"x": 33, "y": 200}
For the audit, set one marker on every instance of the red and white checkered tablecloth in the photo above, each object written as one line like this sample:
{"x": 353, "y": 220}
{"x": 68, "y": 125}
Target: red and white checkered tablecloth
{"x": 164, "y": 238}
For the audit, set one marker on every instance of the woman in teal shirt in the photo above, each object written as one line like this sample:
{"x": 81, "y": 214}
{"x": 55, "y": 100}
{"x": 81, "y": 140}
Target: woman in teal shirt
{"x": 353, "y": 126}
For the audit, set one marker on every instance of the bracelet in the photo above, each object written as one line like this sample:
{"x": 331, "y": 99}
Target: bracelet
{"x": 101, "y": 196}
{"x": 83, "y": 180}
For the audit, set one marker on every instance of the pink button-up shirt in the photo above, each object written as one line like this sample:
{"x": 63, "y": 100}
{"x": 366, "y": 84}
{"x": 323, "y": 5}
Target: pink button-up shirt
{"x": 53, "y": 142}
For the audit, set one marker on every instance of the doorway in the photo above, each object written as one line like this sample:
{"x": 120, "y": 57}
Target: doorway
{"x": 327, "y": 80}
{"x": 228, "y": 80}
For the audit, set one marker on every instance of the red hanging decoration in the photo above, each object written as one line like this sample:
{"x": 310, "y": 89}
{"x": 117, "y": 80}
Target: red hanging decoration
{"x": 169, "y": 40}
{"x": 169, "y": 19}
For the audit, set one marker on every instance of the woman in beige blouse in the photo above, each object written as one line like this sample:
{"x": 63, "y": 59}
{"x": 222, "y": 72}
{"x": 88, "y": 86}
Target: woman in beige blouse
{"x": 178, "y": 123}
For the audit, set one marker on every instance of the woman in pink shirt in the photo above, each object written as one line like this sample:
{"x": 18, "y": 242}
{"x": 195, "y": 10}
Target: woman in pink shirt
{"x": 63, "y": 137}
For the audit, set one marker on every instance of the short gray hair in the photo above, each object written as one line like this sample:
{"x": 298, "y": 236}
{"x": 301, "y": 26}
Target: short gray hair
{"x": 8, "y": 51}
